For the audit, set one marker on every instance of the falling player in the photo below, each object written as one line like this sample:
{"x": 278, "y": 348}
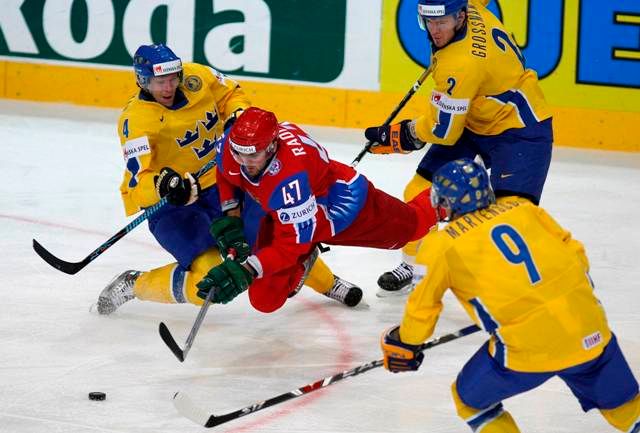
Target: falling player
{"x": 168, "y": 130}
{"x": 485, "y": 102}
{"x": 524, "y": 280}
{"x": 308, "y": 197}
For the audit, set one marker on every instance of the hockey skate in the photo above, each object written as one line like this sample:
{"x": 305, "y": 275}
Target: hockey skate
{"x": 396, "y": 282}
{"x": 308, "y": 264}
{"x": 345, "y": 292}
{"x": 117, "y": 292}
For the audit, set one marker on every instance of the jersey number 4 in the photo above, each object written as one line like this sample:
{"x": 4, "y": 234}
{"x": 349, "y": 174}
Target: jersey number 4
{"x": 517, "y": 253}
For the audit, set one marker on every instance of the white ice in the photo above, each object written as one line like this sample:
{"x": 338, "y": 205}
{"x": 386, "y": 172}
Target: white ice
{"x": 61, "y": 168}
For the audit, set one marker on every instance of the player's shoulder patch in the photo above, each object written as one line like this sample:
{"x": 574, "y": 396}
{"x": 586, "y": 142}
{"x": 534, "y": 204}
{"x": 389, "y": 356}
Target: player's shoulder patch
{"x": 193, "y": 83}
{"x": 274, "y": 167}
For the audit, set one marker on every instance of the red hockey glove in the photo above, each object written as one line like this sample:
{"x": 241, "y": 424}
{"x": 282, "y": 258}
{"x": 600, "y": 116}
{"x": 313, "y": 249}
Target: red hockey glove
{"x": 398, "y": 356}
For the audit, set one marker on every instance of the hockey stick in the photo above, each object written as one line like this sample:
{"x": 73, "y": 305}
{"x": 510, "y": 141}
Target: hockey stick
{"x": 187, "y": 408}
{"x": 395, "y": 112}
{"x": 75, "y": 267}
{"x": 168, "y": 339}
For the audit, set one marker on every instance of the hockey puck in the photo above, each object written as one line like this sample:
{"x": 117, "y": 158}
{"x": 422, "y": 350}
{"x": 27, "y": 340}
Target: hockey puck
{"x": 97, "y": 396}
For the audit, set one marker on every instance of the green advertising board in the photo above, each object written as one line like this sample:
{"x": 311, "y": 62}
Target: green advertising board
{"x": 275, "y": 39}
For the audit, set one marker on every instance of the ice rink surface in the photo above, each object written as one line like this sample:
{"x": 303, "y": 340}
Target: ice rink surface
{"x": 61, "y": 168}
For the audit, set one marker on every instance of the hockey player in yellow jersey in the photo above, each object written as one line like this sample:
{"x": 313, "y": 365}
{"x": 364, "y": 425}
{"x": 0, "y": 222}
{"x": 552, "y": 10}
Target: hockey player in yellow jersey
{"x": 485, "y": 102}
{"x": 523, "y": 279}
{"x": 168, "y": 130}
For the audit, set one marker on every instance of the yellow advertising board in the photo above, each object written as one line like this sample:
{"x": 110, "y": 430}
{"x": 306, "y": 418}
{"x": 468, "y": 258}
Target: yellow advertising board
{"x": 586, "y": 53}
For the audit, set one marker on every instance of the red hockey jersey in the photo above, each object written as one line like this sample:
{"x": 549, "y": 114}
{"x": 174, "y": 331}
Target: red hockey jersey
{"x": 310, "y": 197}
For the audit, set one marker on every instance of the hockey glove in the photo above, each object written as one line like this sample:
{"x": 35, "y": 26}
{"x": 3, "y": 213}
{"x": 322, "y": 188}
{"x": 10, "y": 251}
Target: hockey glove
{"x": 227, "y": 231}
{"x": 228, "y": 280}
{"x": 396, "y": 138}
{"x": 178, "y": 191}
{"x": 398, "y": 356}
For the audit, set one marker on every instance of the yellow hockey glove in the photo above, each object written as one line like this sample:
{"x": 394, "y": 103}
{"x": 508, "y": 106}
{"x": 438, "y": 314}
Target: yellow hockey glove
{"x": 398, "y": 356}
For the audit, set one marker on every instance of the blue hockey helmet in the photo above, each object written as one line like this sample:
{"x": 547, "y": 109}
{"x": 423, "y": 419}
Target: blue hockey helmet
{"x": 154, "y": 61}
{"x": 438, "y": 8}
{"x": 460, "y": 187}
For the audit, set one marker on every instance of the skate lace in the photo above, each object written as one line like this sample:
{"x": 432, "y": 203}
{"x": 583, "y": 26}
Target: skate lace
{"x": 403, "y": 271}
{"x": 122, "y": 291}
{"x": 340, "y": 289}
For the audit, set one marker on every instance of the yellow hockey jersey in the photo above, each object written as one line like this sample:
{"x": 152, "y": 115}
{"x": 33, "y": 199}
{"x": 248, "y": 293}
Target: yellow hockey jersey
{"x": 520, "y": 277}
{"x": 480, "y": 83}
{"x": 153, "y": 136}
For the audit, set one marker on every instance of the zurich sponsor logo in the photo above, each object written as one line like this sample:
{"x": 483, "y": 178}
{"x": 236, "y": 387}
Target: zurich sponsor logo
{"x": 284, "y": 217}
{"x": 300, "y": 213}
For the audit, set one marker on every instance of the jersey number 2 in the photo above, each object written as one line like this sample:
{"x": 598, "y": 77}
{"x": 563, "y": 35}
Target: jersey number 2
{"x": 500, "y": 38}
{"x": 522, "y": 255}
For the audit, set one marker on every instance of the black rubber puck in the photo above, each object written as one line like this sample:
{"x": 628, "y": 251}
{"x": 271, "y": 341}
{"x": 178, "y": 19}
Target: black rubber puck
{"x": 98, "y": 396}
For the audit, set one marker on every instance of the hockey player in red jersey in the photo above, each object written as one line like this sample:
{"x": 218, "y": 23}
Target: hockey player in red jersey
{"x": 308, "y": 197}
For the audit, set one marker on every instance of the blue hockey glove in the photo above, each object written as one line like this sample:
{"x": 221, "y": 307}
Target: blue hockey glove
{"x": 228, "y": 280}
{"x": 398, "y": 356}
{"x": 396, "y": 138}
{"x": 228, "y": 233}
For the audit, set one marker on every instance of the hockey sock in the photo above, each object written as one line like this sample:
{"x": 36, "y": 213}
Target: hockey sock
{"x": 493, "y": 419}
{"x": 415, "y": 186}
{"x": 172, "y": 284}
{"x": 625, "y": 417}
{"x": 320, "y": 277}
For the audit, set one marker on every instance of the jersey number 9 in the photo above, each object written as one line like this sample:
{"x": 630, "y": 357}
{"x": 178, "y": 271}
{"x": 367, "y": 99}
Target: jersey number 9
{"x": 521, "y": 255}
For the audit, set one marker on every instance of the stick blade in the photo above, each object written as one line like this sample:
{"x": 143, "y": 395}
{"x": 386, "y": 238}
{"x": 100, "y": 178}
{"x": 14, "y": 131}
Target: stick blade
{"x": 168, "y": 339}
{"x": 70, "y": 268}
{"x": 188, "y": 409}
